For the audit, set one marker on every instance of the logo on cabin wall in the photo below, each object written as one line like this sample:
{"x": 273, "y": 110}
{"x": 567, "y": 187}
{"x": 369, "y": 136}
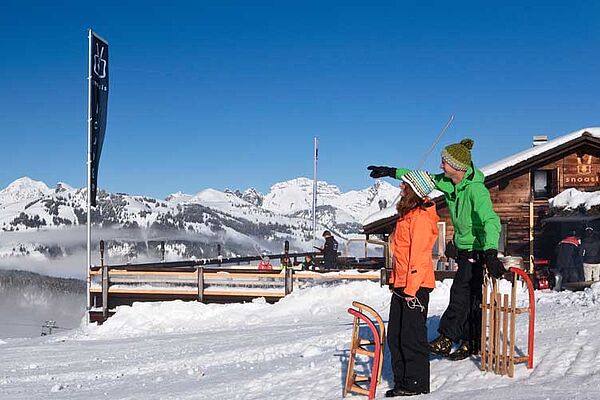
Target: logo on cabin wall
{"x": 584, "y": 167}
{"x": 584, "y": 174}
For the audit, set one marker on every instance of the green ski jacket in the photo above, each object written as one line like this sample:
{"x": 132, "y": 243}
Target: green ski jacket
{"x": 476, "y": 224}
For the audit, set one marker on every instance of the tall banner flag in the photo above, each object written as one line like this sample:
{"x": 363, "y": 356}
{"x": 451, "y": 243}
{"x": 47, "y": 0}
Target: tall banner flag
{"x": 98, "y": 102}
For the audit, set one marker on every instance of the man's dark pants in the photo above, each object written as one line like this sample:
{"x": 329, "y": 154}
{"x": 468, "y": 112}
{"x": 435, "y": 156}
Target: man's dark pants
{"x": 407, "y": 341}
{"x": 462, "y": 318}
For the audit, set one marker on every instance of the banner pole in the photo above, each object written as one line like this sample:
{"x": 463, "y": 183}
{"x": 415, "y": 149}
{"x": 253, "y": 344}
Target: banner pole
{"x": 89, "y": 183}
{"x": 314, "y": 199}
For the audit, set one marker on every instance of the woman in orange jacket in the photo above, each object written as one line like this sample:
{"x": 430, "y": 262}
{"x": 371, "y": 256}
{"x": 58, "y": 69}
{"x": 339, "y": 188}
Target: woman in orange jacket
{"x": 411, "y": 282}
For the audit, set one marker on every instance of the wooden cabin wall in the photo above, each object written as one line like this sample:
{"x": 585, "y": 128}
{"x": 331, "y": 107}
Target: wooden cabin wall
{"x": 510, "y": 200}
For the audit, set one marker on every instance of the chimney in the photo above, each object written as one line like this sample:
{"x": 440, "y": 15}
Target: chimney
{"x": 537, "y": 140}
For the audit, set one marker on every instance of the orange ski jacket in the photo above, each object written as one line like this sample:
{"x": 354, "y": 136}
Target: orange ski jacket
{"x": 411, "y": 244}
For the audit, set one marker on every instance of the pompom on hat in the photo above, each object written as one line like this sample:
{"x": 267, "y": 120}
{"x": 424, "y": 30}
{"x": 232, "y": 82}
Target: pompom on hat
{"x": 420, "y": 181}
{"x": 458, "y": 155}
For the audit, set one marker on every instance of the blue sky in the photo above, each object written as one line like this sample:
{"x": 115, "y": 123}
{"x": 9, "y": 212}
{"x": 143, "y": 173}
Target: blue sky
{"x": 229, "y": 94}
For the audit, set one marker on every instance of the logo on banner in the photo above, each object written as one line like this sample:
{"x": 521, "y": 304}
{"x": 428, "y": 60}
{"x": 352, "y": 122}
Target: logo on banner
{"x": 99, "y": 62}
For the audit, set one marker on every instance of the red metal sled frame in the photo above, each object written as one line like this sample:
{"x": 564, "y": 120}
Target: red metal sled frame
{"x": 530, "y": 337}
{"x": 377, "y": 351}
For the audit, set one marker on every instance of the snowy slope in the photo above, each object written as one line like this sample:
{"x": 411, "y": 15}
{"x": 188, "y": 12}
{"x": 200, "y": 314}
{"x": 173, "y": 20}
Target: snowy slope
{"x": 296, "y": 349}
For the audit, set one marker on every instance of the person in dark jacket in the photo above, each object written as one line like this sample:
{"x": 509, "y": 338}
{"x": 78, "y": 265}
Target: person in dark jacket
{"x": 330, "y": 251}
{"x": 308, "y": 264}
{"x": 569, "y": 265}
{"x": 476, "y": 235}
{"x": 590, "y": 251}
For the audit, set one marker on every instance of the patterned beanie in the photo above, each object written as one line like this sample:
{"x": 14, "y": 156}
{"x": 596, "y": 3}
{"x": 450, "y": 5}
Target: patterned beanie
{"x": 458, "y": 155}
{"x": 420, "y": 181}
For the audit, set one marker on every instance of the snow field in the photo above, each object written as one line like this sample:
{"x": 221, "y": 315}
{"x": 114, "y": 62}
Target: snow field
{"x": 294, "y": 349}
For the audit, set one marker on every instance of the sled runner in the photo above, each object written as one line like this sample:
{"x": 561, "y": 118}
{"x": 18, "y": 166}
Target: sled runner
{"x": 359, "y": 347}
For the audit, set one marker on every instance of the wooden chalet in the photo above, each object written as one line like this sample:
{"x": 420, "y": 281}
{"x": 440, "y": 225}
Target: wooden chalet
{"x": 520, "y": 187}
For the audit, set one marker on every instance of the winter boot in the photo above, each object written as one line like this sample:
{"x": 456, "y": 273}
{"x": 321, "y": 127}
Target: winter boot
{"x": 441, "y": 345}
{"x": 463, "y": 351}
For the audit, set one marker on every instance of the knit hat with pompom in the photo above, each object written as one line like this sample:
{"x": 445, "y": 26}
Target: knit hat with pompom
{"x": 458, "y": 155}
{"x": 420, "y": 181}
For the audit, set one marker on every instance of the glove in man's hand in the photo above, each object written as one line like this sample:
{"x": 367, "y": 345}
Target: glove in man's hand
{"x": 451, "y": 250}
{"x": 494, "y": 266}
{"x": 380, "y": 172}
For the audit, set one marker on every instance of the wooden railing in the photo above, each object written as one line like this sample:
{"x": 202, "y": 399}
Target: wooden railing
{"x": 112, "y": 286}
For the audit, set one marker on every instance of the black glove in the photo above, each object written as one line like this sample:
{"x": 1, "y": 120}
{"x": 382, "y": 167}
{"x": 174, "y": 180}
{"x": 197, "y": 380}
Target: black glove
{"x": 380, "y": 172}
{"x": 451, "y": 250}
{"x": 494, "y": 267}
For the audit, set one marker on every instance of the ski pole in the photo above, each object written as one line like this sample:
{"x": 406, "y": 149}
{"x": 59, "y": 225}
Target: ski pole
{"x": 435, "y": 142}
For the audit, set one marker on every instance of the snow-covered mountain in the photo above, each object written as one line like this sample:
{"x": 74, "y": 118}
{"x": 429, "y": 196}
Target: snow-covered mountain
{"x": 23, "y": 189}
{"x": 36, "y": 219}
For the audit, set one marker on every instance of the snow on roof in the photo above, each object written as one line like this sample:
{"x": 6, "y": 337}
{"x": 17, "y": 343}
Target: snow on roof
{"x": 507, "y": 162}
{"x": 498, "y": 166}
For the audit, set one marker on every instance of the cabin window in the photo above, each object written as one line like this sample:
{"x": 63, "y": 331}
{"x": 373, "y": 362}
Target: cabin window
{"x": 543, "y": 183}
{"x": 440, "y": 244}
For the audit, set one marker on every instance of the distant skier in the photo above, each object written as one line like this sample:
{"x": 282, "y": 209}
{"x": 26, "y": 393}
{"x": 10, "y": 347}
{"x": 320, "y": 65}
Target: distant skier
{"x": 329, "y": 250}
{"x": 590, "y": 250}
{"x": 308, "y": 264}
{"x": 569, "y": 265}
{"x": 265, "y": 264}
{"x": 286, "y": 262}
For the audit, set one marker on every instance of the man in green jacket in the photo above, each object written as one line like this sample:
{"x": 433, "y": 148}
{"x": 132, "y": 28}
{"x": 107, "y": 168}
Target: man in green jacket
{"x": 476, "y": 235}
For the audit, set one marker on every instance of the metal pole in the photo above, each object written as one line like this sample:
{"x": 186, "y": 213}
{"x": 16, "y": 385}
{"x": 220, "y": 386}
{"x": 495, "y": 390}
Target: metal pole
{"x": 314, "y": 205}
{"x": 435, "y": 142}
{"x": 89, "y": 182}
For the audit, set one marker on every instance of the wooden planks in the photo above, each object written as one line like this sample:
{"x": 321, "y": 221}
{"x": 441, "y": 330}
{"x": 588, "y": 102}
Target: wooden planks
{"x": 498, "y": 325}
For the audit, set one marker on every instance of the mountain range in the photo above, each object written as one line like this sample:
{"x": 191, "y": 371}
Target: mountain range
{"x": 43, "y": 222}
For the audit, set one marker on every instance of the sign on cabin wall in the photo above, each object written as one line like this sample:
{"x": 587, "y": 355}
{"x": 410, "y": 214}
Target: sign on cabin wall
{"x": 581, "y": 171}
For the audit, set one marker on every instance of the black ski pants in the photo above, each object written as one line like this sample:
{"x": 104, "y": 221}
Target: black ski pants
{"x": 407, "y": 341}
{"x": 462, "y": 318}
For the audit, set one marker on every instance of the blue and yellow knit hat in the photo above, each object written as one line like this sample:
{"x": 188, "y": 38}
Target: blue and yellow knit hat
{"x": 420, "y": 181}
{"x": 458, "y": 155}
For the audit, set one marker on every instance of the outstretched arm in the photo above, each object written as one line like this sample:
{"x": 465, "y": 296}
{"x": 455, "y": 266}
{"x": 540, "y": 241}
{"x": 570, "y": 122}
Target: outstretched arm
{"x": 380, "y": 172}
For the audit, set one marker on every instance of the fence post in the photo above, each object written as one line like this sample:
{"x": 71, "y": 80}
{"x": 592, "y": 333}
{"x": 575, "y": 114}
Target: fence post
{"x": 102, "y": 252}
{"x": 200, "y": 273}
{"x": 289, "y": 281}
{"x": 105, "y": 284}
{"x": 383, "y": 277}
{"x": 162, "y": 250}
{"x": 219, "y": 254}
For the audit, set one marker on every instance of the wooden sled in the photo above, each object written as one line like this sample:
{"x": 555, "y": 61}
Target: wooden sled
{"x": 498, "y": 323}
{"x": 359, "y": 347}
